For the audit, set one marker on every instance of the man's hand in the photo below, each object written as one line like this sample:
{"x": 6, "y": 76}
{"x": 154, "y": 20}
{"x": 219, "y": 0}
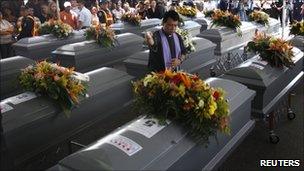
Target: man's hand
{"x": 175, "y": 62}
{"x": 149, "y": 38}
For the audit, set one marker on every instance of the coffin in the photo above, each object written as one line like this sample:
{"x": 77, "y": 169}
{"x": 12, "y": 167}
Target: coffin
{"x": 298, "y": 41}
{"x": 128, "y": 28}
{"x": 38, "y": 133}
{"x": 87, "y": 55}
{"x": 199, "y": 61}
{"x": 270, "y": 83}
{"x": 273, "y": 28}
{"x": 41, "y": 47}
{"x": 10, "y": 71}
{"x": 227, "y": 39}
{"x": 192, "y": 27}
{"x": 154, "y": 147}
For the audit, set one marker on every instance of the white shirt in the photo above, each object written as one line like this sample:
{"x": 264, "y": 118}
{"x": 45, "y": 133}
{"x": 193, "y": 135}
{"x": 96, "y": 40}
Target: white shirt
{"x": 85, "y": 16}
{"x": 210, "y": 5}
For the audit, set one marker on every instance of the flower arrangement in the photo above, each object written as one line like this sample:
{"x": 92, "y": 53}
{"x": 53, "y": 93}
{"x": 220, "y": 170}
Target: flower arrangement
{"x": 185, "y": 98}
{"x": 186, "y": 11}
{"x": 297, "y": 28}
{"x": 131, "y": 18}
{"x": 227, "y": 19}
{"x": 208, "y": 13}
{"x": 103, "y": 35}
{"x": 187, "y": 40}
{"x": 59, "y": 83}
{"x": 259, "y": 17}
{"x": 56, "y": 28}
{"x": 276, "y": 51}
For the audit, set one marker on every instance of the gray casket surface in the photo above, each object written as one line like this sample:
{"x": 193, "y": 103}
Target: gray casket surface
{"x": 10, "y": 71}
{"x": 273, "y": 28}
{"x": 128, "y": 28}
{"x": 205, "y": 22}
{"x": 37, "y": 132}
{"x": 87, "y": 55}
{"x": 199, "y": 61}
{"x": 41, "y": 47}
{"x": 270, "y": 83}
{"x": 192, "y": 26}
{"x": 143, "y": 145}
{"x": 227, "y": 39}
{"x": 298, "y": 41}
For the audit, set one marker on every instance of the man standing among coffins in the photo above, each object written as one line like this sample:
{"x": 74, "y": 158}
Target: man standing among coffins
{"x": 67, "y": 16}
{"x": 167, "y": 50}
{"x": 104, "y": 14}
{"x": 85, "y": 16}
{"x": 155, "y": 11}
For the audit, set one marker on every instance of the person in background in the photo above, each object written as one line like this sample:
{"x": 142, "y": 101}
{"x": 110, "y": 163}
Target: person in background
{"x": 141, "y": 11}
{"x": 104, "y": 14}
{"x": 85, "y": 16}
{"x": 118, "y": 11}
{"x": 67, "y": 16}
{"x": 297, "y": 10}
{"x": 279, "y": 7}
{"x": 155, "y": 11}
{"x": 53, "y": 13}
{"x": 74, "y": 7}
{"x": 37, "y": 23}
{"x": 8, "y": 15}
{"x": 241, "y": 9}
{"x": 223, "y": 5}
{"x": 128, "y": 9}
{"x": 27, "y": 26}
{"x": 6, "y": 39}
{"x": 302, "y": 12}
{"x": 147, "y": 5}
{"x": 95, "y": 19}
{"x": 289, "y": 10}
{"x": 167, "y": 50}
{"x": 44, "y": 12}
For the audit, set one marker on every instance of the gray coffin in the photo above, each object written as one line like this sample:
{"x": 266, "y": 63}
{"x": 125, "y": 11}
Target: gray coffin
{"x": 298, "y": 41}
{"x": 169, "y": 148}
{"x": 270, "y": 83}
{"x": 272, "y": 28}
{"x": 226, "y": 39}
{"x": 41, "y": 47}
{"x": 125, "y": 27}
{"x": 10, "y": 71}
{"x": 192, "y": 26}
{"x": 37, "y": 130}
{"x": 87, "y": 55}
{"x": 199, "y": 61}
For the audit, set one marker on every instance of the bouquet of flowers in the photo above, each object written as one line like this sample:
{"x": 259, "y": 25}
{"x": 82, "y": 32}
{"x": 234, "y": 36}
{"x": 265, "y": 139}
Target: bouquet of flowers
{"x": 187, "y": 40}
{"x": 209, "y": 13}
{"x": 185, "y": 98}
{"x": 61, "y": 84}
{"x": 259, "y": 17}
{"x": 274, "y": 50}
{"x": 131, "y": 18}
{"x": 297, "y": 28}
{"x": 103, "y": 35}
{"x": 56, "y": 28}
{"x": 227, "y": 19}
{"x": 186, "y": 11}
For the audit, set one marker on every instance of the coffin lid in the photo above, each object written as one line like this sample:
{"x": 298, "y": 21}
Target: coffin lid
{"x": 101, "y": 80}
{"x": 103, "y": 156}
{"x": 145, "y": 23}
{"x": 14, "y": 64}
{"x": 222, "y": 32}
{"x": 202, "y": 43}
{"x": 125, "y": 38}
{"x": 257, "y": 72}
{"x": 44, "y": 39}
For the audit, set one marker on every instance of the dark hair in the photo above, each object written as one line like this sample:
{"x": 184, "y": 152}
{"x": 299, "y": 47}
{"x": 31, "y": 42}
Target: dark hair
{"x": 171, "y": 14}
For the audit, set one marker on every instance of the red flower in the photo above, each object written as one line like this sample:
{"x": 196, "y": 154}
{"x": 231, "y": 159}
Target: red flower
{"x": 176, "y": 79}
{"x": 216, "y": 95}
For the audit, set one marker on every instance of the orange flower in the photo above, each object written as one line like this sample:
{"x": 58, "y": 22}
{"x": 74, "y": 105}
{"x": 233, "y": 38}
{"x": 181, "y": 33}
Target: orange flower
{"x": 186, "y": 80}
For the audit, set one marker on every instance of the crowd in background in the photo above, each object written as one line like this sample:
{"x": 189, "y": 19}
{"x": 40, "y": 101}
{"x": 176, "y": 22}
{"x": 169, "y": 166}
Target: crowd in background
{"x": 19, "y": 20}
